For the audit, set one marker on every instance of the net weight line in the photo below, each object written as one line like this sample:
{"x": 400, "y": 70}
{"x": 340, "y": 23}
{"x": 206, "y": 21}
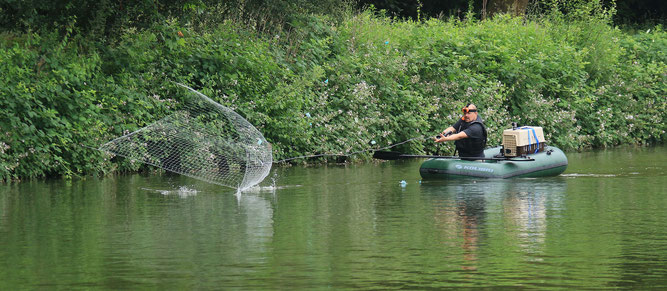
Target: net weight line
{"x": 355, "y": 152}
{"x": 208, "y": 141}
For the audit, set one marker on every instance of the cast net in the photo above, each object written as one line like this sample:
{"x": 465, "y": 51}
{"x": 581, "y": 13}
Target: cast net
{"x": 202, "y": 140}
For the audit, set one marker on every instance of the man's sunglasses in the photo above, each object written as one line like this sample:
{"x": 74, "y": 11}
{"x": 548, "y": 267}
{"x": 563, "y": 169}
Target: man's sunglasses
{"x": 466, "y": 110}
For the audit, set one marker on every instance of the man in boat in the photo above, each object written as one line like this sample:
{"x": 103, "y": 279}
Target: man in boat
{"x": 468, "y": 133}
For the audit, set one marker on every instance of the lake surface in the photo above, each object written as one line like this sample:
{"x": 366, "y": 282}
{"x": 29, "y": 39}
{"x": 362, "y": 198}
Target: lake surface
{"x": 602, "y": 224}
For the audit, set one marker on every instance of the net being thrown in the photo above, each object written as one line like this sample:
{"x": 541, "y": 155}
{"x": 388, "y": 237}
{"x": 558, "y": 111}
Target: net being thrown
{"x": 203, "y": 140}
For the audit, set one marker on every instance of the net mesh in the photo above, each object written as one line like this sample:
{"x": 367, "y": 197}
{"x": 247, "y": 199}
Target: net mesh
{"x": 202, "y": 140}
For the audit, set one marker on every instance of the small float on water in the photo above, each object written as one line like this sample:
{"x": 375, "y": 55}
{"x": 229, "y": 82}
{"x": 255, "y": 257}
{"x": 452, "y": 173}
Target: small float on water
{"x": 523, "y": 154}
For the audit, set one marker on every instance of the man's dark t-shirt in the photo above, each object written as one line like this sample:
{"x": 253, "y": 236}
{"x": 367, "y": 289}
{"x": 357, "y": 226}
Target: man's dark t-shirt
{"x": 475, "y": 130}
{"x": 473, "y": 145}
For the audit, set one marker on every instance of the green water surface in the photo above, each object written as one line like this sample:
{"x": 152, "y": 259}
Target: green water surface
{"x": 602, "y": 224}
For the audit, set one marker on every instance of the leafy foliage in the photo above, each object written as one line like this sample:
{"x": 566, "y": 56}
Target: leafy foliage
{"x": 330, "y": 85}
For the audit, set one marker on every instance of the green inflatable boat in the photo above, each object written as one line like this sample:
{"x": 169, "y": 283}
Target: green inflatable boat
{"x": 549, "y": 162}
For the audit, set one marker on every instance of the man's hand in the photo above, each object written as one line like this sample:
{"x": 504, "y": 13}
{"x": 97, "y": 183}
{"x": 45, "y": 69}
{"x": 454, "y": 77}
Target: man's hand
{"x": 449, "y": 136}
{"x": 441, "y": 137}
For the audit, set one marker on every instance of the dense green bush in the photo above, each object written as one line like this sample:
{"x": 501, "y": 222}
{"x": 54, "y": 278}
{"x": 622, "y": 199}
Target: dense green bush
{"x": 327, "y": 86}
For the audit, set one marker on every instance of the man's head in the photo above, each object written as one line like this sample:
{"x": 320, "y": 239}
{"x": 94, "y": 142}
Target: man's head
{"x": 470, "y": 113}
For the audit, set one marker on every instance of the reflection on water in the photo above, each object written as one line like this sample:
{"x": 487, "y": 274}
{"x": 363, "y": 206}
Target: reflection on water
{"x": 128, "y": 232}
{"x": 475, "y": 210}
{"x": 601, "y": 225}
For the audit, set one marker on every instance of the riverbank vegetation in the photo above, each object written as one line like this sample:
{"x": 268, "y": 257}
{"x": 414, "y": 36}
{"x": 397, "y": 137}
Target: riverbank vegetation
{"x": 326, "y": 83}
